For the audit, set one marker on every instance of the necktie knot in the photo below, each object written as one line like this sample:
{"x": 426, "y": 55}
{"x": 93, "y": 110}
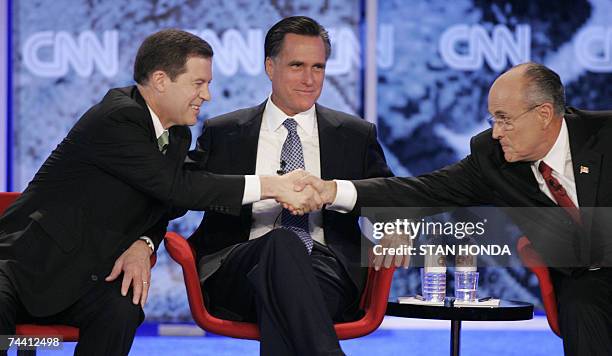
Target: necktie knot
{"x": 545, "y": 170}
{"x": 163, "y": 141}
{"x": 290, "y": 124}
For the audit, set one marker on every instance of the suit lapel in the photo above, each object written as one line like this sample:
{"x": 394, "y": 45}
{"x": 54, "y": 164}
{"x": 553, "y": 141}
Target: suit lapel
{"x": 331, "y": 144}
{"x": 177, "y": 140}
{"x": 140, "y": 100}
{"x": 242, "y": 146}
{"x": 521, "y": 176}
{"x": 586, "y": 162}
{"x": 243, "y": 142}
{"x": 587, "y": 167}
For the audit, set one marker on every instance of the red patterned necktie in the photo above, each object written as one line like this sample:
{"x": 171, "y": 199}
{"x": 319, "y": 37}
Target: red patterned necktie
{"x": 559, "y": 193}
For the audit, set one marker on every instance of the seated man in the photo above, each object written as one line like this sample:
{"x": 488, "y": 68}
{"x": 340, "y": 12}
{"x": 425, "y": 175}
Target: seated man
{"x": 75, "y": 247}
{"x": 552, "y": 162}
{"x": 294, "y": 275}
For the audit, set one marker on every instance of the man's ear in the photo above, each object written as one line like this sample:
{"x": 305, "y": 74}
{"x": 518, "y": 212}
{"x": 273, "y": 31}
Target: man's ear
{"x": 546, "y": 112}
{"x": 158, "y": 80}
{"x": 269, "y": 64}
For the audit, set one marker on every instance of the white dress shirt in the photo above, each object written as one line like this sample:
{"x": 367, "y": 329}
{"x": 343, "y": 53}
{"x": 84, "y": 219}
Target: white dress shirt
{"x": 272, "y": 136}
{"x": 157, "y": 125}
{"x": 559, "y": 158}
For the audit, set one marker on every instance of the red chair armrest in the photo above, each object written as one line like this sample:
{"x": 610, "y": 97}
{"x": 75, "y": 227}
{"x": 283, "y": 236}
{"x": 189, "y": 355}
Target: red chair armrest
{"x": 6, "y": 199}
{"x": 153, "y": 259}
{"x": 530, "y": 258}
{"x": 68, "y": 333}
{"x": 183, "y": 253}
{"x": 180, "y": 251}
{"x": 373, "y": 302}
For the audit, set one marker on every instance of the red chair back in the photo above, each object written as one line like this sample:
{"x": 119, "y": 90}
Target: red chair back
{"x": 536, "y": 264}
{"x": 374, "y": 301}
{"x": 6, "y": 199}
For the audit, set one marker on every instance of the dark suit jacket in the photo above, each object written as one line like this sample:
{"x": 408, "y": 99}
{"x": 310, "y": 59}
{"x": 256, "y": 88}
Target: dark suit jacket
{"x": 348, "y": 150}
{"x": 103, "y": 187}
{"x": 485, "y": 178}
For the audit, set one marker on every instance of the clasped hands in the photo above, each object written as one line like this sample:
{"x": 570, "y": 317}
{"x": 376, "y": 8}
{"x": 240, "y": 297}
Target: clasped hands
{"x": 298, "y": 191}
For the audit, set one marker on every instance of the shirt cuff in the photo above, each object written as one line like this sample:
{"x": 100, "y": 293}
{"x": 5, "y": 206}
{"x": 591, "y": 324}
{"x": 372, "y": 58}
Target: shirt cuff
{"x": 346, "y": 197}
{"x": 252, "y": 190}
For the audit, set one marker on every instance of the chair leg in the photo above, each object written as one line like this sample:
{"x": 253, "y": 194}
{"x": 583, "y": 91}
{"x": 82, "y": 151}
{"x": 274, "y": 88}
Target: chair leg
{"x": 26, "y": 352}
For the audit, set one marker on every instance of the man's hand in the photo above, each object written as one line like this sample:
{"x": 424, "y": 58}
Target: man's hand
{"x": 136, "y": 267}
{"x": 281, "y": 188}
{"x": 386, "y": 259}
{"x": 326, "y": 188}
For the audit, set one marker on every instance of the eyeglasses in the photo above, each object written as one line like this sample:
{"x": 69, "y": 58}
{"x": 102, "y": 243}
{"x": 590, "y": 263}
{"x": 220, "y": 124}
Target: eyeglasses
{"x": 507, "y": 123}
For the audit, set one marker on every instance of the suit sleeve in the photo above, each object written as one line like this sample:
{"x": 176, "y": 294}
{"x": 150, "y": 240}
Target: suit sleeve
{"x": 375, "y": 164}
{"x": 157, "y": 232}
{"x": 460, "y": 184}
{"x": 123, "y": 147}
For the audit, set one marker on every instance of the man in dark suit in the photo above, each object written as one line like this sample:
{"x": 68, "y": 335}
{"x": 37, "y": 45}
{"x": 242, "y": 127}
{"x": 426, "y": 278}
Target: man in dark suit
{"x": 293, "y": 279}
{"x": 556, "y": 167}
{"x": 99, "y": 205}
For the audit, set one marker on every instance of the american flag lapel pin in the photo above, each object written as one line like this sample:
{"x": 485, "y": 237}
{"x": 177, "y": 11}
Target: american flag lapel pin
{"x": 584, "y": 170}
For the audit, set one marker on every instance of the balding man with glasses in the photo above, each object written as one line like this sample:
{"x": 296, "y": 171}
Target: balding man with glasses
{"x": 553, "y": 166}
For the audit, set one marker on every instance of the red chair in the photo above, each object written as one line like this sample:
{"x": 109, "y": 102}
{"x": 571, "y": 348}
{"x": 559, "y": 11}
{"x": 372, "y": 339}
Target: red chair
{"x": 534, "y": 262}
{"x": 68, "y": 333}
{"x": 373, "y": 300}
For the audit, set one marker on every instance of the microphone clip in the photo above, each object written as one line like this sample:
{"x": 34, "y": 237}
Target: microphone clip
{"x": 283, "y": 165}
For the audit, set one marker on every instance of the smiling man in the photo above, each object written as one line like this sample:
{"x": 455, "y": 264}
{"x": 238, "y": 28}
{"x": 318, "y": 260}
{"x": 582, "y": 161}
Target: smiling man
{"x": 294, "y": 275}
{"x": 553, "y": 165}
{"x": 75, "y": 247}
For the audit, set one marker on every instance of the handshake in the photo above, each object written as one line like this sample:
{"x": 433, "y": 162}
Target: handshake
{"x": 298, "y": 191}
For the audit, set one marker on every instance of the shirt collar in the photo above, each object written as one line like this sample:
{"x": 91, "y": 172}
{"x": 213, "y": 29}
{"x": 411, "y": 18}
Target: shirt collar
{"x": 274, "y": 117}
{"x": 558, "y": 154}
{"x": 157, "y": 125}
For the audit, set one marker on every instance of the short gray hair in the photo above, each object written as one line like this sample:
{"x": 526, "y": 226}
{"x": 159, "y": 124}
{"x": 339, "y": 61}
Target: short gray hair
{"x": 543, "y": 86}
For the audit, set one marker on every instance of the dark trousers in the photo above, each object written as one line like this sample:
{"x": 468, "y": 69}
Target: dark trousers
{"x": 106, "y": 320}
{"x": 585, "y": 312}
{"x": 293, "y": 296}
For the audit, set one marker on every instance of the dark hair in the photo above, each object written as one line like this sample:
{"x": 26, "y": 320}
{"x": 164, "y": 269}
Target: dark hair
{"x": 168, "y": 50}
{"x": 299, "y": 25}
{"x": 544, "y": 85}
